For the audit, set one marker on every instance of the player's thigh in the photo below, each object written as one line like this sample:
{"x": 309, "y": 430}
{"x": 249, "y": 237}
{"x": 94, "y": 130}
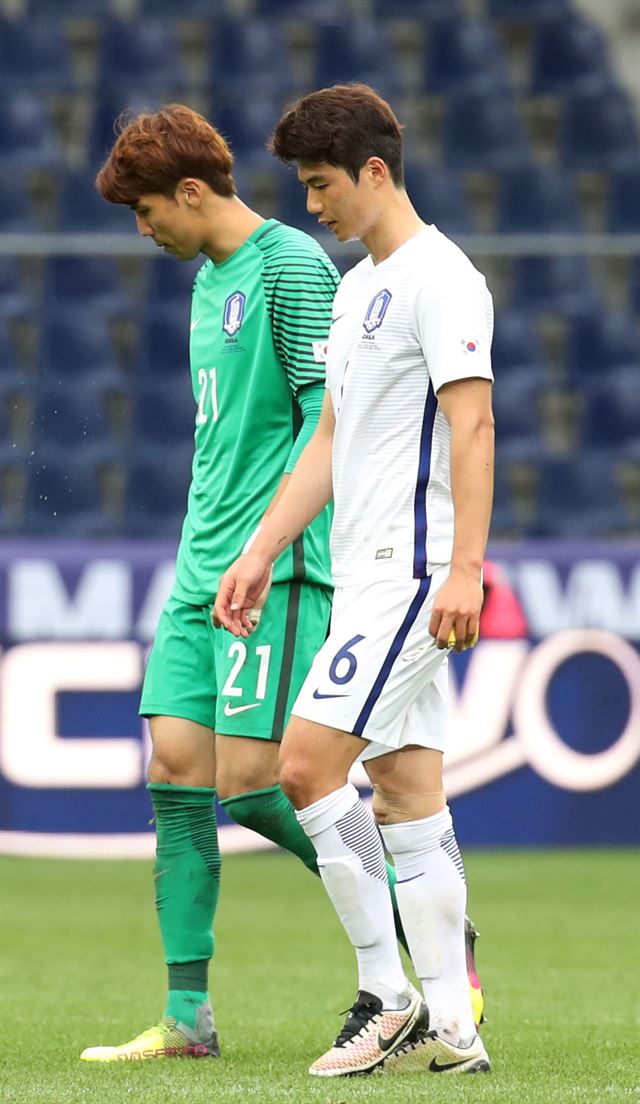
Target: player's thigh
{"x": 315, "y": 760}
{"x": 259, "y": 678}
{"x": 245, "y": 764}
{"x": 180, "y": 686}
{"x": 377, "y": 661}
{"x": 407, "y": 784}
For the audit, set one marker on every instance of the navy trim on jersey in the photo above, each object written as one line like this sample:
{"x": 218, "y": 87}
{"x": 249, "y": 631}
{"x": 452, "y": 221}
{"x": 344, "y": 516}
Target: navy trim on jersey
{"x": 420, "y": 500}
{"x": 392, "y": 655}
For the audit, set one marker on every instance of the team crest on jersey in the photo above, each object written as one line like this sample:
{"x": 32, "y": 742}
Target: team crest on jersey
{"x": 234, "y": 313}
{"x": 376, "y": 310}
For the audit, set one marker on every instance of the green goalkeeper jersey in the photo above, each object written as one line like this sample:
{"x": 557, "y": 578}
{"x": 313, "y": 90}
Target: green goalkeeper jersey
{"x": 259, "y": 326}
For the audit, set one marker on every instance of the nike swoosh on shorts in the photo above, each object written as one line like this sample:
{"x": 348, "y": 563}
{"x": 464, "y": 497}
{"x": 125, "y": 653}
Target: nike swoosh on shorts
{"x": 231, "y": 710}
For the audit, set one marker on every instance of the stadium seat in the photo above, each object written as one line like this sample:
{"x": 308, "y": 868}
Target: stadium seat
{"x": 164, "y": 412}
{"x": 516, "y": 345}
{"x": 516, "y": 400}
{"x": 69, "y": 418}
{"x": 127, "y": 98}
{"x": 157, "y": 489}
{"x": 438, "y": 197}
{"x": 613, "y": 409}
{"x": 188, "y": 9}
{"x": 599, "y": 130}
{"x": 482, "y": 130}
{"x": 527, "y": 11}
{"x": 464, "y": 54}
{"x": 356, "y": 50}
{"x": 568, "y": 55}
{"x": 82, "y": 208}
{"x": 579, "y": 497}
{"x": 63, "y": 496}
{"x": 163, "y": 350}
{"x": 634, "y": 285}
{"x": 601, "y": 343}
{"x": 87, "y": 9}
{"x": 557, "y": 285}
{"x": 27, "y": 139}
{"x": 623, "y": 205}
{"x": 90, "y": 283}
{"x": 145, "y": 52}
{"x": 244, "y": 50}
{"x": 34, "y": 56}
{"x": 292, "y": 202}
{"x": 77, "y": 348}
{"x": 16, "y": 211}
{"x": 536, "y": 200}
{"x": 424, "y": 10}
{"x": 171, "y": 281}
{"x": 246, "y": 124}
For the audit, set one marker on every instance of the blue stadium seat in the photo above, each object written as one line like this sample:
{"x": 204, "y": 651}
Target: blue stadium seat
{"x": 171, "y": 281}
{"x": 188, "y": 9}
{"x": 157, "y": 488}
{"x": 568, "y": 55}
{"x": 613, "y": 409}
{"x": 82, "y": 208}
{"x": 164, "y": 412}
{"x": 558, "y": 285}
{"x": 624, "y": 200}
{"x": 245, "y": 49}
{"x": 424, "y": 10}
{"x": 145, "y": 52}
{"x": 52, "y": 9}
{"x": 27, "y": 139}
{"x": 16, "y": 211}
{"x": 71, "y": 420}
{"x": 599, "y": 130}
{"x": 528, "y": 11}
{"x": 634, "y": 285}
{"x": 482, "y": 130}
{"x": 357, "y": 50}
{"x": 87, "y": 282}
{"x": 12, "y": 294}
{"x": 77, "y": 348}
{"x": 579, "y": 497}
{"x": 438, "y": 197}
{"x": 601, "y": 343}
{"x": 536, "y": 200}
{"x": 516, "y": 345}
{"x": 63, "y": 495}
{"x": 321, "y": 11}
{"x": 292, "y": 202}
{"x": 464, "y": 54}
{"x": 246, "y": 124}
{"x": 34, "y": 56}
{"x": 516, "y": 400}
{"x": 163, "y": 350}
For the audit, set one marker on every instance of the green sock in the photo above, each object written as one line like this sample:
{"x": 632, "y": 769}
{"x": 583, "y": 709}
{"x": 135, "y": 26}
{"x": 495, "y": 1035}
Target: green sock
{"x": 270, "y": 813}
{"x": 187, "y": 881}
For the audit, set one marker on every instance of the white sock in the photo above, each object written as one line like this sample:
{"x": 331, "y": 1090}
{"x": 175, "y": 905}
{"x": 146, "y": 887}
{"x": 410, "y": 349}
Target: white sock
{"x": 432, "y": 897}
{"x": 352, "y": 866}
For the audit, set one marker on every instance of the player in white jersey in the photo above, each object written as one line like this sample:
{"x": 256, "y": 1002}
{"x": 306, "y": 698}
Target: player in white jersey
{"x": 405, "y": 446}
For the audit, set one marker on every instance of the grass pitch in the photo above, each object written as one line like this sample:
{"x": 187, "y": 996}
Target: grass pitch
{"x": 83, "y": 966}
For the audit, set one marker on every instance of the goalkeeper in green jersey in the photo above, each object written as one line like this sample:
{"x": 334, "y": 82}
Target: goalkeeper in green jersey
{"x": 260, "y": 317}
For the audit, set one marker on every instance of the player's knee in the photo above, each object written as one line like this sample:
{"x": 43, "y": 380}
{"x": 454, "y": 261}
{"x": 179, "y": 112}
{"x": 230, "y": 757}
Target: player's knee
{"x": 171, "y": 766}
{"x": 296, "y": 779}
{"x": 233, "y": 781}
{"x": 391, "y": 808}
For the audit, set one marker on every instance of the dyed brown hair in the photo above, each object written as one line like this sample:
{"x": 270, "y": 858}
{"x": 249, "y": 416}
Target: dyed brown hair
{"x": 153, "y": 152}
{"x": 344, "y": 125}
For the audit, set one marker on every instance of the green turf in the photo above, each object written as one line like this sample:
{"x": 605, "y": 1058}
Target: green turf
{"x": 558, "y": 956}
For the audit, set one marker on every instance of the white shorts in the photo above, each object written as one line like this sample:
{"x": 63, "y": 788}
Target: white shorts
{"x": 379, "y": 674}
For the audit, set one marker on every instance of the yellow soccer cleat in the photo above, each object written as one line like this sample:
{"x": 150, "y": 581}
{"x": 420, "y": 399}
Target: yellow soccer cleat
{"x": 476, "y": 991}
{"x": 165, "y": 1040}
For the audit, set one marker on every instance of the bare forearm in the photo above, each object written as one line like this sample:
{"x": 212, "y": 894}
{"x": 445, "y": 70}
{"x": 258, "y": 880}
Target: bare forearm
{"x": 299, "y": 499}
{"x": 472, "y": 451}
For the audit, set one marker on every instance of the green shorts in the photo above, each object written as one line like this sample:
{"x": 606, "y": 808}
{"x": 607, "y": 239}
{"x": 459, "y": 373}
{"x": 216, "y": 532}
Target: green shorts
{"x": 236, "y": 687}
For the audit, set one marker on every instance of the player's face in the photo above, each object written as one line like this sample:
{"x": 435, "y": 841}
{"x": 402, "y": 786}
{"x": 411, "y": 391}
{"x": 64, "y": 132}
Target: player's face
{"x": 170, "y": 223}
{"x": 347, "y": 209}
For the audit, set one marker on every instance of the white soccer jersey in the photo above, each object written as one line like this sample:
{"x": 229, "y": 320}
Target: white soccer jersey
{"x": 401, "y": 329}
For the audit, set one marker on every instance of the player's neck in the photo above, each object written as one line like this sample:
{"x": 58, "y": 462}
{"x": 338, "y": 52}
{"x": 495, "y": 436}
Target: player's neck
{"x": 397, "y": 223}
{"x": 230, "y": 223}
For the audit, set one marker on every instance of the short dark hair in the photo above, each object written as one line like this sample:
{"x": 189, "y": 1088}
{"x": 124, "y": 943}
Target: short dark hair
{"x": 155, "y": 151}
{"x": 344, "y": 125}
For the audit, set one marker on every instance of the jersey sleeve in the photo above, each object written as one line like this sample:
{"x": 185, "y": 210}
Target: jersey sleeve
{"x": 301, "y": 288}
{"x": 454, "y": 318}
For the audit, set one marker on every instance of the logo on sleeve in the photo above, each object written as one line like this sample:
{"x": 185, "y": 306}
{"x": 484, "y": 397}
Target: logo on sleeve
{"x": 234, "y": 313}
{"x": 469, "y": 346}
{"x": 319, "y": 351}
{"x": 376, "y": 310}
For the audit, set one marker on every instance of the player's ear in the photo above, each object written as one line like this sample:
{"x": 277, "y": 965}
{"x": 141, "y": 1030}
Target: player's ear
{"x": 376, "y": 170}
{"x": 192, "y": 191}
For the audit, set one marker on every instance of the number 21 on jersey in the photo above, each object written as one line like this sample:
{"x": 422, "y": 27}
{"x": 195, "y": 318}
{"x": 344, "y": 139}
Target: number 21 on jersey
{"x": 207, "y": 382}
